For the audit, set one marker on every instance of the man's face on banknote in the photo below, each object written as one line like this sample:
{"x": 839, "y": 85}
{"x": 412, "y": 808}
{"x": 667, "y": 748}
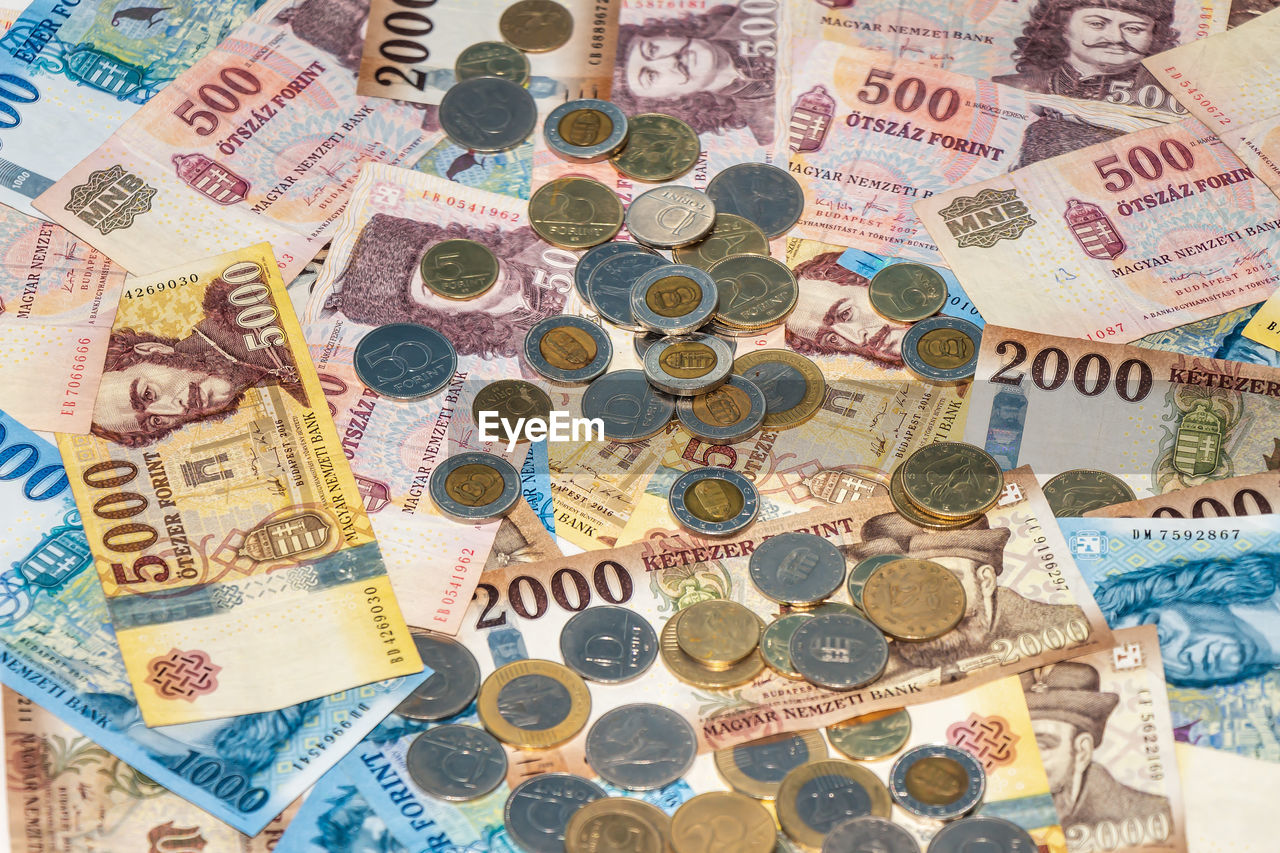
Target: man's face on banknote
{"x": 1107, "y": 41}
{"x": 670, "y": 66}
{"x": 833, "y": 315}
{"x": 158, "y": 392}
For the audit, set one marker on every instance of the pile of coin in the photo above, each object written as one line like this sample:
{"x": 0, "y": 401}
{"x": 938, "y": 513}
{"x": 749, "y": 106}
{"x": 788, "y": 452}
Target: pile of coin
{"x": 946, "y": 485}
{"x": 940, "y": 350}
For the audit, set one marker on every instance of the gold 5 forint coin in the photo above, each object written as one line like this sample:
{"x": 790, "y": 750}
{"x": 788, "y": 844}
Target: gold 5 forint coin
{"x": 659, "y": 148}
{"x": 575, "y": 213}
{"x": 722, "y": 821}
{"x": 459, "y": 269}
{"x": 718, "y": 633}
{"x": 533, "y": 704}
{"x": 817, "y": 796}
{"x": 951, "y": 479}
{"x": 913, "y": 599}
{"x": 536, "y": 26}
{"x": 907, "y": 292}
{"x": 690, "y": 671}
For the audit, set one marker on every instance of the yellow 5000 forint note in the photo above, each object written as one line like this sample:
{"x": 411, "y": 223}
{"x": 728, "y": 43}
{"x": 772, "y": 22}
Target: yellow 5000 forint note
{"x": 239, "y": 566}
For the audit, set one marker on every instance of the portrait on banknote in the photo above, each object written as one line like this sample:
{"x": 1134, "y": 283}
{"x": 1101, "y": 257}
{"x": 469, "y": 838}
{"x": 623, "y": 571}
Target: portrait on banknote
{"x": 833, "y": 315}
{"x": 334, "y": 26}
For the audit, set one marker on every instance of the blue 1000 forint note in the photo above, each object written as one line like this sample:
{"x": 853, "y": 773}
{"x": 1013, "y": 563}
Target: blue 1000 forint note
{"x": 335, "y": 818}
{"x": 57, "y": 648}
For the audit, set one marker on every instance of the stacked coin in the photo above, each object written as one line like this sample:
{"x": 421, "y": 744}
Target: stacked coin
{"x": 946, "y": 485}
{"x": 717, "y": 648}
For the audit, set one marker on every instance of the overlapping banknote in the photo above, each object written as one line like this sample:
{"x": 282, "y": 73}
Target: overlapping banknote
{"x": 57, "y": 648}
{"x": 1249, "y": 494}
{"x": 224, "y": 524}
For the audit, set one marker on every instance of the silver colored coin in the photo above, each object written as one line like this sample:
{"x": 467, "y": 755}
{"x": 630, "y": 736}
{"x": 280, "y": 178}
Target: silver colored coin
{"x": 955, "y": 779}
{"x": 569, "y": 125}
{"x": 538, "y": 810}
{"x": 405, "y": 361}
{"x": 770, "y": 759}
{"x": 670, "y": 217}
{"x": 763, "y": 194}
{"x": 674, "y": 300}
{"x": 869, "y": 833}
{"x": 608, "y": 644}
{"x": 474, "y": 486}
{"x": 919, "y": 348}
{"x": 986, "y": 834}
{"x": 796, "y": 568}
{"x": 455, "y": 762}
{"x": 688, "y": 365}
{"x": 641, "y": 747}
{"x": 609, "y": 286}
{"x": 730, "y": 413}
{"x": 492, "y": 59}
{"x": 488, "y": 114}
{"x": 839, "y": 652}
{"x": 597, "y": 255}
{"x": 566, "y": 349}
{"x": 713, "y": 501}
{"x": 631, "y": 408}
{"x": 452, "y": 685}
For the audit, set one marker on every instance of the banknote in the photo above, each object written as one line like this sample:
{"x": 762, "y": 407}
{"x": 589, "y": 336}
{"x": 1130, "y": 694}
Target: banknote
{"x": 521, "y": 538}
{"x": 66, "y": 792}
{"x": 1250, "y": 494}
{"x": 216, "y": 499}
{"x": 1227, "y": 816}
{"x": 1215, "y": 337}
{"x": 73, "y": 72}
{"x": 261, "y": 139}
{"x": 867, "y": 264}
{"x": 410, "y": 49}
{"x": 57, "y": 299}
{"x": 57, "y": 647}
{"x": 301, "y": 285}
{"x": 336, "y": 819}
{"x": 1209, "y": 584}
{"x": 535, "y": 484}
{"x": 1105, "y": 734}
{"x": 1161, "y": 421}
{"x": 1124, "y": 238}
{"x": 506, "y": 172}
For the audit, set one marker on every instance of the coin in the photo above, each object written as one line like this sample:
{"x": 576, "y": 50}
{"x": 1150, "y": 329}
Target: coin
{"x": 575, "y": 213}
{"x": 536, "y": 26}
{"x": 869, "y": 833}
{"x": 691, "y": 672}
{"x": 815, "y": 797}
{"x": 793, "y": 386}
{"x": 723, "y": 415}
{"x": 942, "y": 350}
{"x": 764, "y": 194}
{"x": 1073, "y": 493}
{"x": 722, "y": 821}
{"x": 533, "y": 704}
{"x": 488, "y": 114}
{"x": 718, "y": 633}
{"x": 859, "y": 574}
{"x": 800, "y": 569}
{"x": 951, "y": 479}
{"x": 567, "y": 349}
{"x": 907, "y": 508}
{"x": 452, "y": 685}
{"x": 631, "y": 408}
{"x": 982, "y": 833}
{"x": 674, "y": 299}
{"x": 538, "y": 810}
{"x": 938, "y": 781}
{"x": 405, "y": 361}
{"x": 755, "y": 292}
{"x": 608, "y": 644}
{"x": 595, "y": 256}
{"x": 474, "y": 486}
{"x": 659, "y": 148}
{"x": 501, "y": 404}
{"x": 456, "y": 762}
{"x": 873, "y": 736}
{"x": 839, "y": 652}
{"x": 914, "y": 599}
{"x": 907, "y": 292}
{"x": 713, "y": 501}
{"x": 758, "y": 768}
{"x": 459, "y": 269}
{"x": 641, "y": 746}
{"x": 827, "y": 608}
{"x": 609, "y": 285}
{"x": 730, "y": 235}
{"x": 688, "y": 365}
{"x": 618, "y": 825}
{"x": 775, "y": 644}
{"x": 492, "y": 59}
{"x": 586, "y": 130}
{"x": 670, "y": 216}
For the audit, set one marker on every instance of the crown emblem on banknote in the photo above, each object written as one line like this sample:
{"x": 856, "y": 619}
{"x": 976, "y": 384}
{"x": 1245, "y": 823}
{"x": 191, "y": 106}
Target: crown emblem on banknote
{"x": 986, "y": 218}
{"x": 811, "y": 119}
{"x": 1198, "y": 447}
{"x": 210, "y": 178}
{"x": 1093, "y": 230}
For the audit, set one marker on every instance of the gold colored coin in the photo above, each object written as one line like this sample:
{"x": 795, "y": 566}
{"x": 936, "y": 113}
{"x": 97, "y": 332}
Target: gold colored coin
{"x": 731, "y": 235}
{"x": 691, "y": 672}
{"x": 793, "y": 386}
{"x": 1073, "y": 493}
{"x": 459, "y": 269}
{"x": 718, "y": 633}
{"x": 575, "y": 213}
{"x": 914, "y": 514}
{"x": 688, "y": 359}
{"x": 907, "y": 292}
{"x": 585, "y": 127}
{"x": 753, "y": 768}
{"x": 951, "y": 479}
{"x": 659, "y": 148}
{"x": 937, "y": 780}
{"x": 714, "y": 500}
{"x": 831, "y": 784}
{"x": 755, "y": 292}
{"x": 474, "y": 484}
{"x": 568, "y": 348}
{"x": 914, "y": 599}
{"x": 945, "y": 349}
{"x": 673, "y": 296}
{"x": 775, "y": 644}
{"x": 536, "y": 26}
{"x": 722, "y": 822}
{"x": 873, "y": 736}
{"x": 510, "y": 400}
{"x": 533, "y": 704}
{"x": 618, "y": 825}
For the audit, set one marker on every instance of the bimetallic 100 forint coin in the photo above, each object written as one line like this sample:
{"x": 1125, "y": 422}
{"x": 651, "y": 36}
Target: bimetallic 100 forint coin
{"x": 942, "y": 350}
{"x": 492, "y": 59}
{"x": 764, "y": 194}
{"x": 641, "y": 747}
{"x": 800, "y": 569}
{"x": 713, "y": 501}
{"x": 452, "y": 685}
{"x": 870, "y": 833}
{"x": 1073, "y": 493}
{"x": 674, "y": 299}
{"x": 815, "y": 797}
{"x": 723, "y": 415}
{"x": 983, "y": 833}
{"x": 756, "y": 292}
{"x": 907, "y": 292}
{"x": 758, "y": 768}
{"x": 731, "y": 235}
{"x": 405, "y": 361}
{"x": 722, "y": 821}
{"x": 610, "y": 284}
{"x": 488, "y": 114}
{"x": 914, "y": 600}
{"x": 659, "y": 148}
{"x": 793, "y": 386}
{"x": 575, "y": 213}
{"x": 456, "y": 762}
{"x": 951, "y": 479}
{"x": 688, "y": 365}
{"x": 631, "y": 408}
{"x": 670, "y": 216}
{"x": 618, "y": 825}
{"x": 539, "y": 809}
{"x": 536, "y": 26}
{"x": 533, "y": 704}
{"x": 608, "y": 644}
{"x": 939, "y": 781}
{"x": 839, "y": 652}
{"x": 474, "y": 486}
{"x": 459, "y": 269}
{"x": 595, "y": 256}
{"x": 718, "y": 633}
{"x": 567, "y": 349}
{"x": 873, "y": 736}
{"x": 586, "y": 130}
{"x": 692, "y": 672}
